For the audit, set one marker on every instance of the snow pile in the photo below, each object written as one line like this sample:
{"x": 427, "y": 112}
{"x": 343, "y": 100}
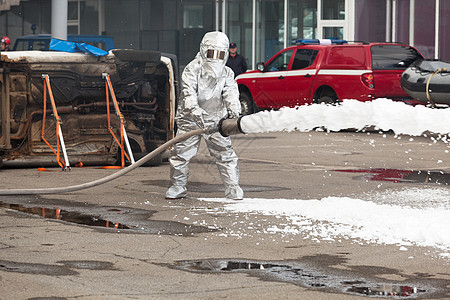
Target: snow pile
{"x": 335, "y": 218}
{"x": 384, "y": 114}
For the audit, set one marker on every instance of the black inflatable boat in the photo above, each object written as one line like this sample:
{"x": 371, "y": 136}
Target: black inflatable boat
{"x": 428, "y": 81}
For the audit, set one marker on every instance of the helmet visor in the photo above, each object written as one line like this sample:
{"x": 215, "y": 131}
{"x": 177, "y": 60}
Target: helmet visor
{"x": 215, "y": 54}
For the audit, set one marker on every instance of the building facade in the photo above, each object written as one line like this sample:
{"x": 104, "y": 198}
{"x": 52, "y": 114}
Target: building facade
{"x": 260, "y": 27}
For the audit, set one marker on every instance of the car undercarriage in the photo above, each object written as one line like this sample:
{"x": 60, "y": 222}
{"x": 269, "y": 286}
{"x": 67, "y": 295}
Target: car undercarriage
{"x": 144, "y": 86}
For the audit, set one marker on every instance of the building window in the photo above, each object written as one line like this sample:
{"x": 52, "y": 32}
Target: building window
{"x": 73, "y": 17}
{"x": 332, "y": 22}
{"x": 424, "y": 27}
{"x": 193, "y": 16}
{"x": 302, "y": 19}
{"x": 370, "y": 20}
{"x": 83, "y": 17}
{"x": 333, "y": 32}
{"x": 239, "y": 25}
{"x": 444, "y": 31}
{"x": 333, "y": 9}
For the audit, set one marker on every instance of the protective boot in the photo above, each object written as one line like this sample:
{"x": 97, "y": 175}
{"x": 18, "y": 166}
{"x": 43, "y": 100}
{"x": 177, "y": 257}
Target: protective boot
{"x": 176, "y": 192}
{"x": 227, "y": 162}
{"x": 234, "y": 193}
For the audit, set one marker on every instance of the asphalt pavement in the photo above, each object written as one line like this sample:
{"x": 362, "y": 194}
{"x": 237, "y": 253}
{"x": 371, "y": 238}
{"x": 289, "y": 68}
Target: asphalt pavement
{"x": 124, "y": 240}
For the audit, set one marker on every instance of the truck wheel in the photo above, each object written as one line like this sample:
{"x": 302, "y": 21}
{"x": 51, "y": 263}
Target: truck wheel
{"x": 326, "y": 96}
{"x": 246, "y": 104}
{"x": 326, "y": 100}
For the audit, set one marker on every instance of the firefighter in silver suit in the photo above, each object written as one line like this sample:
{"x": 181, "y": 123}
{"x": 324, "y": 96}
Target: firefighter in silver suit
{"x": 209, "y": 93}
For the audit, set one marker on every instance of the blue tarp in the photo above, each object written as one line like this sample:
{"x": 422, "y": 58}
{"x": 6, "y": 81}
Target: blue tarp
{"x": 66, "y": 46}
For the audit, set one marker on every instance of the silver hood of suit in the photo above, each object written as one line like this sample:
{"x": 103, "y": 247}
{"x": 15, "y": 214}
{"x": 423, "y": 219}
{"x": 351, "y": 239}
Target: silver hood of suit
{"x": 216, "y": 43}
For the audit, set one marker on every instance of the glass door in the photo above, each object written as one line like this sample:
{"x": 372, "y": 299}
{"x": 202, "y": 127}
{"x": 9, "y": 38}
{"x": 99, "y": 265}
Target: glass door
{"x": 239, "y": 26}
{"x": 302, "y": 20}
{"x": 269, "y": 28}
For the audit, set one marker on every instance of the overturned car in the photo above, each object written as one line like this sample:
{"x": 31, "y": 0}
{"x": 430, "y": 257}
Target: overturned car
{"x": 144, "y": 84}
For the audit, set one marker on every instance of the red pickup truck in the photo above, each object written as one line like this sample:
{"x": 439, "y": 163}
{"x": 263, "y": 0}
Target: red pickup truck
{"x": 327, "y": 71}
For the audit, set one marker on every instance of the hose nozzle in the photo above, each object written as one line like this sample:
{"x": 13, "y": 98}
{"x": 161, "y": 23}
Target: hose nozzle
{"x": 229, "y": 127}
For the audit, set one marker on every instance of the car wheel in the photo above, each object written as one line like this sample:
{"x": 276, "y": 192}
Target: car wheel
{"x": 246, "y": 104}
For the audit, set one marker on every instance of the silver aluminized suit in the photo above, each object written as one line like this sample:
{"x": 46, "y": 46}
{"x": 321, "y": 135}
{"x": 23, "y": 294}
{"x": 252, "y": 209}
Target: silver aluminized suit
{"x": 209, "y": 93}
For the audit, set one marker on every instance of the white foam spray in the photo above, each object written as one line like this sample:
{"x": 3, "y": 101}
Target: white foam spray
{"x": 417, "y": 216}
{"x": 383, "y": 114}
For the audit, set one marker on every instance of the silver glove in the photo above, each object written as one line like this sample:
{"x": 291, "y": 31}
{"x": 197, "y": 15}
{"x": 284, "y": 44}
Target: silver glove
{"x": 197, "y": 115}
{"x": 232, "y": 115}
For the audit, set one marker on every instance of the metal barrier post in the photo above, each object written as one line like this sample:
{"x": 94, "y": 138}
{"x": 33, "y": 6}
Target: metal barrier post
{"x": 123, "y": 132}
{"x": 59, "y": 136}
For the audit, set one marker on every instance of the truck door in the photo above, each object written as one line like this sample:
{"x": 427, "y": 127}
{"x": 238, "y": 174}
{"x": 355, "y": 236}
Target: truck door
{"x": 388, "y": 63}
{"x": 300, "y": 77}
{"x": 271, "y": 84}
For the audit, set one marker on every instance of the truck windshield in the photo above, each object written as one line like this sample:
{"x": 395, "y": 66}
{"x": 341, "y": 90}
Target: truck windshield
{"x": 25, "y": 45}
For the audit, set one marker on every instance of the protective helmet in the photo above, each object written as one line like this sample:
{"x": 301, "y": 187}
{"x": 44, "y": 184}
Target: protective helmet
{"x": 6, "y": 40}
{"x": 214, "y": 45}
{"x": 214, "y": 53}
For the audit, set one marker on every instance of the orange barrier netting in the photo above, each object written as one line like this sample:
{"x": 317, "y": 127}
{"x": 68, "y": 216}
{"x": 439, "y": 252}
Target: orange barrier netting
{"x": 59, "y": 138}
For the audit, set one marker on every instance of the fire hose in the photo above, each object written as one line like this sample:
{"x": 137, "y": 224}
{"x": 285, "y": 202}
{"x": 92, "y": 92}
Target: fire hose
{"x": 226, "y": 127}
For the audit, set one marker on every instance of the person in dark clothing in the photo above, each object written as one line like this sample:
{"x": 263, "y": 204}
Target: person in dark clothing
{"x": 235, "y": 61}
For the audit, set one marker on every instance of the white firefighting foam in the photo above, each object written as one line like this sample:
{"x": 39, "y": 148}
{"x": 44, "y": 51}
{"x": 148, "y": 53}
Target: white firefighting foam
{"x": 383, "y": 114}
{"x": 418, "y": 216}
{"x": 410, "y": 217}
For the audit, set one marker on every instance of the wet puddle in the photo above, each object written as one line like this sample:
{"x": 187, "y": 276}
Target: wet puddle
{"x": 111, "y": 219}
{"x": 394, "y": 175}
{"x": 386, "y": 290}
{"x": 327, "y": 279}
{"x": 64, "y": 215}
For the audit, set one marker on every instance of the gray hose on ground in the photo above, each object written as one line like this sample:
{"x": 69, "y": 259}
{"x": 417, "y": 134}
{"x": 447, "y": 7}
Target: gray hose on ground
{"x": 58, "y": 190}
